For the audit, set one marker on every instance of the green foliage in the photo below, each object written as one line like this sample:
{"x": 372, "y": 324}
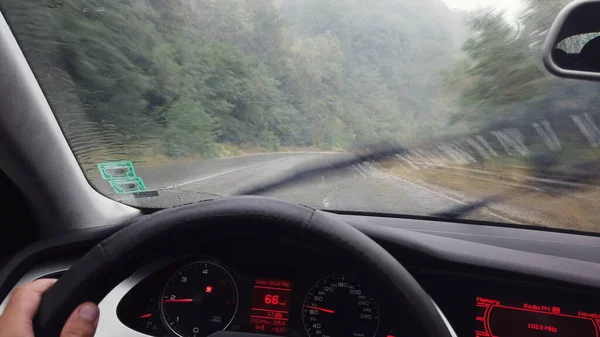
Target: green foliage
{"x": 500, "y": 80}
{"x": 189, "y": 76}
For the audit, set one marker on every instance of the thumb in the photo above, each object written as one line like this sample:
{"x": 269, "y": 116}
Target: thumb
{"x": 82, "y": 322}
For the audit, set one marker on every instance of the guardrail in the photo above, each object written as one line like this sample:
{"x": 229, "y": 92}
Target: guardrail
{"x": 538, "y": 145}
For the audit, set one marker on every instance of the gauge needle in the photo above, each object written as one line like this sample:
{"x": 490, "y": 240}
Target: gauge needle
{"x": 179, "y": 300}
{"x": 329, "y": 311}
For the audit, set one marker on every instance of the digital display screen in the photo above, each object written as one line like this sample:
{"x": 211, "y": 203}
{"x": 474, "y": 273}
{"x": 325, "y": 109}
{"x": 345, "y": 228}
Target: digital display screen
{"x": 270, "y": 306}
{"x": 508, "y": 318}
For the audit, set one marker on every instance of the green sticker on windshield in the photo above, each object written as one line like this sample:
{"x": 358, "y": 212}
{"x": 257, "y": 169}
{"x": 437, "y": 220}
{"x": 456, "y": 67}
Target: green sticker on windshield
{"x": 119, "y": 169}
{"x": 127, "y": 185}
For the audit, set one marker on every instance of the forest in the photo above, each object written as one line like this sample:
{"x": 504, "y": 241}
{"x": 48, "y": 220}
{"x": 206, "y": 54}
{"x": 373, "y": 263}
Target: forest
{"x": 187, "y": 76}
{"x": 128, "y": 78}
{"x": 500, "y": 80}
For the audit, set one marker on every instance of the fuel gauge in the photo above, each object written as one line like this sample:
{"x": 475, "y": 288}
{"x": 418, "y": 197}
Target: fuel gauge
{"x": 141, "y": 313}
{"x": 148, "y": 322}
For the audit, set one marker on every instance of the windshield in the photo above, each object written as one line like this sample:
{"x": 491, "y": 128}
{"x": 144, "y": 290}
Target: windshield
{"x": 168, "y": 102}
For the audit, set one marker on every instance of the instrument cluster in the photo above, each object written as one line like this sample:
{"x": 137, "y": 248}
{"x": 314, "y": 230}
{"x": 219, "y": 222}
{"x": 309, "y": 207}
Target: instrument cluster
{"x": 196, "y": 296}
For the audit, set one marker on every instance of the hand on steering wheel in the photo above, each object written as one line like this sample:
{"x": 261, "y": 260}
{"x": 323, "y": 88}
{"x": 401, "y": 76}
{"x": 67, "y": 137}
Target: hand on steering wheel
{"x": 175, "y": 230}
{"x": 17, "y": 320}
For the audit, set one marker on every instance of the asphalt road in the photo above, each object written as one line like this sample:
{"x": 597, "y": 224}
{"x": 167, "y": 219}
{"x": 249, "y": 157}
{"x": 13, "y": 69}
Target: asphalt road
{"x": 361, "y": 187}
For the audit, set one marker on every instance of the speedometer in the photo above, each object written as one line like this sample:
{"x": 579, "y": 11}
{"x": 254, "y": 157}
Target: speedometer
{"x": 337, "y": 306}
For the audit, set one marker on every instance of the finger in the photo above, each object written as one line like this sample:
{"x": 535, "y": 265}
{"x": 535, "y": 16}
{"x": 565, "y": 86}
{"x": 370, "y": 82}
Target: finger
{"x": 25, "y": 300}
{"x": 82, "y": 322}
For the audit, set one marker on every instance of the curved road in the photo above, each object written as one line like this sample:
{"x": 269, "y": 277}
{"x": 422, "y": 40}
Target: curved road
{"x": 361, "y": 187}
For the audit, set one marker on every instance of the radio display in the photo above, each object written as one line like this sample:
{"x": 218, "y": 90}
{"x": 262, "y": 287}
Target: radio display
{"x": 508, "y": 318}
{"x": 270, "y": 306}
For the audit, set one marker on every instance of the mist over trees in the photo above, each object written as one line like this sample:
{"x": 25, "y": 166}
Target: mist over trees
{"x": 185, "y": 76}
{"x": 179, "y": 77}
{"x": 500, "y": 80}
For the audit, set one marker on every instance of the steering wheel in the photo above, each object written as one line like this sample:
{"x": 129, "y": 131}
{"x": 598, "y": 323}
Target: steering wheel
{"x": 110, "y": 262}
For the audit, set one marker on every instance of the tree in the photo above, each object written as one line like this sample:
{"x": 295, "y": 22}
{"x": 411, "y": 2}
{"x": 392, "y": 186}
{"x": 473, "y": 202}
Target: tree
{"x": 502, "y": 80}
{"x": 178, "y": 77}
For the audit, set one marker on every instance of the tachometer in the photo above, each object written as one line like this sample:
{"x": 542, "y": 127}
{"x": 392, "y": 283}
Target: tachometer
{"x": 338, "y": 306}
{"x": 199, "y": 299}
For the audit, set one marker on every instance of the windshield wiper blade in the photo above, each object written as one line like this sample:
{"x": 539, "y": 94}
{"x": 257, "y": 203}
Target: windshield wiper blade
{"x": 317, "y": 170}
{"x": 464, "y": 210}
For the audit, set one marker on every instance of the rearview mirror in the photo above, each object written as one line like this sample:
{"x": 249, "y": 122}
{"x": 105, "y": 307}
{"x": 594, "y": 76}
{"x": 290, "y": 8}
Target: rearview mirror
{"x": 572, "y": 47}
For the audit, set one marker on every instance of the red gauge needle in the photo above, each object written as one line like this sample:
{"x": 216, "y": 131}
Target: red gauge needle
{"x": 179, "y": 300}
{"x": 329, "y": 311}
{"x": 146, "y": 316}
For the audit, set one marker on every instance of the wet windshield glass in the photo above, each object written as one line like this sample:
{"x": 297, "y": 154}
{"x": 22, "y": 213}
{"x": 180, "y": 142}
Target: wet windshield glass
{"x": 167, "y": 102}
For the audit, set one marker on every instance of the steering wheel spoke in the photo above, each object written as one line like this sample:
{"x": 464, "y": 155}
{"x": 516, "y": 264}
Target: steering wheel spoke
{"x": 113, "y": 260}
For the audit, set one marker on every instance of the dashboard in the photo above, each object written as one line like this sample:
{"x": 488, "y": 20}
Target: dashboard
{"x": 195, "y": 296}
{"x": 489, "y": 307}
{"x": 488, "y": 282}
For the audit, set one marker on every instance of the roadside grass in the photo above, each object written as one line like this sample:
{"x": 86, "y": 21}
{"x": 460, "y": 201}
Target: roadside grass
{"x": 507, "y": 180}
{"x": 515, "y": 196}
{"x": 149, "y": 157}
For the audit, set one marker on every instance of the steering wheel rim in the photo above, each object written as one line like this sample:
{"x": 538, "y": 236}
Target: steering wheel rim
{"x": 111, "y": 261}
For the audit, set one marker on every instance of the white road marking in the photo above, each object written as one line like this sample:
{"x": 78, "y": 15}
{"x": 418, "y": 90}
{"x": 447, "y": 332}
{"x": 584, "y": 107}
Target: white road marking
{"x": 286, "y": 152}
{"x": 503, "y": 218}
{"x": 365, "y": 168}
{"x": 221, "y": 173}
{"x": 430, "y": 190}
{"x": 377, "y": 170}
{"x": 359, "y": 171}
{"x": 326, "y": 202}
{"x": 363, "y": 171}
{"x": 408, "y": 161}
{"x": 453, "y": 199}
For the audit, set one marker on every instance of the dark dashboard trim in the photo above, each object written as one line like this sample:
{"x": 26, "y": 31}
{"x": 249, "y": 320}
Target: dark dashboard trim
{"x": 75, "y": 243}
{"x": 573, "y": 246}
{"x": 465, "y": 221}
{"x": 560, "y": 257}
{"x": 399, "y": 217}
{"x": 580, "y": 273}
